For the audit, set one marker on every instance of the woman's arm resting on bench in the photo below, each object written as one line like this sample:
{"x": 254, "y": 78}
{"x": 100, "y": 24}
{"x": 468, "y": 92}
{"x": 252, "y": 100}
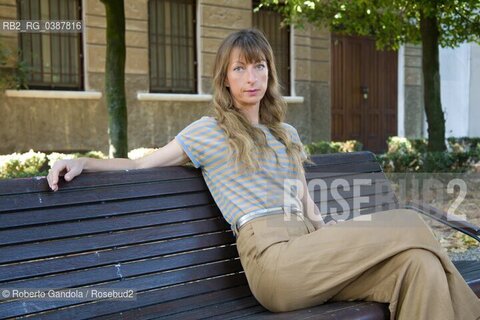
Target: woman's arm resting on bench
{"x": 171, "y": 154}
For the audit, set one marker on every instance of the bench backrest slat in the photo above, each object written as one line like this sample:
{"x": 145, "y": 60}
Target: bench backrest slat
{"x": 105, "y": 193}
{"x": 112, "y": 256}
{"x": 129, "y": 269}
{"x": 104, "y": 224}
{"x": 99, "y": 179}
{"x": 106, "y": 240}
{"x": 188, "y": 203}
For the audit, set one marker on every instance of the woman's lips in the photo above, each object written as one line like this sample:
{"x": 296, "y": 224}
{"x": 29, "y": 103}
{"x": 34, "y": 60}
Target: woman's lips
{"x": 252, "y": 91}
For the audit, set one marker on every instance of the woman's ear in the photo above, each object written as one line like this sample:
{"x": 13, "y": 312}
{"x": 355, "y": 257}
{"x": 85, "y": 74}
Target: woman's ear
{"x": 227, "y": 84}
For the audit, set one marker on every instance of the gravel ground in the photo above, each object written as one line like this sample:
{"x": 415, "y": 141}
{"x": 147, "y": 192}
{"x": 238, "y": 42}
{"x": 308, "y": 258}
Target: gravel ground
{"x": 470, "y": 254}
{"x": 458, "y": 248}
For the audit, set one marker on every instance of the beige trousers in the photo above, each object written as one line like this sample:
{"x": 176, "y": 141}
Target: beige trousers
{"x": 392, "y": 258}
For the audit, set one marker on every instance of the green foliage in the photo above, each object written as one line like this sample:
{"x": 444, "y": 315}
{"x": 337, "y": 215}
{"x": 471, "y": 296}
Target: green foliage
{"x": 6, "y": 78}
{"x": 406, "y": 155}
{"x": 411, "y": 155}
{"x": 401, "y": 156}
{"x": 13, "y": 77}
{"x": 321, "y": 147}
{"x": 32, "y": 164}
{"x": 28, "y": 164}
{"x": 4, "y": 53}
{"x": 22, "y": 71}
{"x": 392, "y": 23}
{"x": 463, "y": 144}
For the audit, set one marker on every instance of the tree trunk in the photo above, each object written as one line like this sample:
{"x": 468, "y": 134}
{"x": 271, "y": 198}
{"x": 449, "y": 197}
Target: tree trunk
{"x": 431, "y": 83}
{"x": 115, "y": 79}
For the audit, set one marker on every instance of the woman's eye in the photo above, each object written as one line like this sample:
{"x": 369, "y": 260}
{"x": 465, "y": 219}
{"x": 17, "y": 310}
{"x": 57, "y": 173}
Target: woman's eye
{"x": 237, "y": 69}
{"x": 261, "y": 66}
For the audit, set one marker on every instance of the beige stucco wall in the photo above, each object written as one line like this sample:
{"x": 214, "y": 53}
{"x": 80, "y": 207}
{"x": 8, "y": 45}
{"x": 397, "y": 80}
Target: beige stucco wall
{"x": 49, "y": 124}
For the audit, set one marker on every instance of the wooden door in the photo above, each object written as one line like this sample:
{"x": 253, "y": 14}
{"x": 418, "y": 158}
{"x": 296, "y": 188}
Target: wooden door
{"x": 364, "y": 92}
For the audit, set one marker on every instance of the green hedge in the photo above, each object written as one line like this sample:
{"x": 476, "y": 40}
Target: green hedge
{"x": 32, "y": 164}
{"x": 403, "y": 155}
{"x": 410, "y": 155}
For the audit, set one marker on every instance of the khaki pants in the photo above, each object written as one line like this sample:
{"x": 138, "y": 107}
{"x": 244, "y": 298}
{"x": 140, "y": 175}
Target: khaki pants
{"x": 393, "y": 258}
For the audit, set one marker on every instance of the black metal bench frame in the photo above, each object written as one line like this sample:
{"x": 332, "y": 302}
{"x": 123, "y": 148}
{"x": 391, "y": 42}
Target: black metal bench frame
{"x": 158, "y": 232}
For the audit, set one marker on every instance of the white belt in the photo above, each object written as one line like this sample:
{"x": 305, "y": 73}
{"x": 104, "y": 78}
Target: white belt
{"x": 236, "y": 226}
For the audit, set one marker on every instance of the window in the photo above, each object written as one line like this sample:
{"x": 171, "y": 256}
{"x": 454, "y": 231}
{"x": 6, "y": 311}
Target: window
{"x": 53, "y": 60}
{"x": 269, "y": 22}
{"x": 172, "y": 53}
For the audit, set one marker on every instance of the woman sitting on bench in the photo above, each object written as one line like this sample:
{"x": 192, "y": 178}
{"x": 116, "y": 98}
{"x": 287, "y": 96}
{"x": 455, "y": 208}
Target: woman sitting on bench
{"x": 291, "y": 258}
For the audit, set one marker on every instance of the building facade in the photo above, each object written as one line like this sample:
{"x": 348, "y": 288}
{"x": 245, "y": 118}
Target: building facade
{"x": 65, "y": 118}
{"x": 170, "y": 50}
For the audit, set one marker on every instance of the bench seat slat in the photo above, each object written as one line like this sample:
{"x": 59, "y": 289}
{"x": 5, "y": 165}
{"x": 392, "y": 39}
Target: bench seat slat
{"x": 241, "y": 314}
{"x": 220, "y": 308}
{"x": 110, "y": 240}
{"x": 180, "y": 308}
{"x": 334, "y": 310}
{"x": 360, "y": 310}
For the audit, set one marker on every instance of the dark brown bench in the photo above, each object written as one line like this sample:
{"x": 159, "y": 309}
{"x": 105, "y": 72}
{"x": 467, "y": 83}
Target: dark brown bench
{"x": 159, "y": 233}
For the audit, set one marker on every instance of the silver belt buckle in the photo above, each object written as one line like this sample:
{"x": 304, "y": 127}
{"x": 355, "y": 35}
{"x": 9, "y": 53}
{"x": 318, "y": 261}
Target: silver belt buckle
{"x": 237, "y": 225}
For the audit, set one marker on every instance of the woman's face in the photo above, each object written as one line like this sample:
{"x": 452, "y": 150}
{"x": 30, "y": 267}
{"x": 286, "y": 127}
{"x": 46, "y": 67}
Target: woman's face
{"x": 247, "y": 81}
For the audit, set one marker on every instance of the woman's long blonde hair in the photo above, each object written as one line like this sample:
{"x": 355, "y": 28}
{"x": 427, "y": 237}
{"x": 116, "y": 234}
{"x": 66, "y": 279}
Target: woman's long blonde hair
{"x": 245, "y": 139}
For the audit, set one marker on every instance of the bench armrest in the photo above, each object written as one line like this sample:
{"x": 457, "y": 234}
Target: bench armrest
{"x": 461, "y": 225}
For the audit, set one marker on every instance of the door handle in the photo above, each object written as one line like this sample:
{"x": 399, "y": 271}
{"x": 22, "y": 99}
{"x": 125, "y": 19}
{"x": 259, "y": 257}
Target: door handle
{"x": 364, "y": 90}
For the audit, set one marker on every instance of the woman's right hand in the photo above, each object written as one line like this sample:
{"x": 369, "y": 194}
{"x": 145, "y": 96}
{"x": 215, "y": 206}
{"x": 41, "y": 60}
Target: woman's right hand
{"x": 171, "y": 154}
{"x": 71, "y": 168}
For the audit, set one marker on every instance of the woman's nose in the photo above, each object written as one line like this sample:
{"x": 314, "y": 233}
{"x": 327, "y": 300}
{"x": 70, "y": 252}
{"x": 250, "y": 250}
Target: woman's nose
{"x": 251, "y": 75}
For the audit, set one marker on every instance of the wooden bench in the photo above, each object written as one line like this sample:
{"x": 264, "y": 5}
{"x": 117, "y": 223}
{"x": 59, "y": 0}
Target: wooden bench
{"x": 159, "y": 233}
